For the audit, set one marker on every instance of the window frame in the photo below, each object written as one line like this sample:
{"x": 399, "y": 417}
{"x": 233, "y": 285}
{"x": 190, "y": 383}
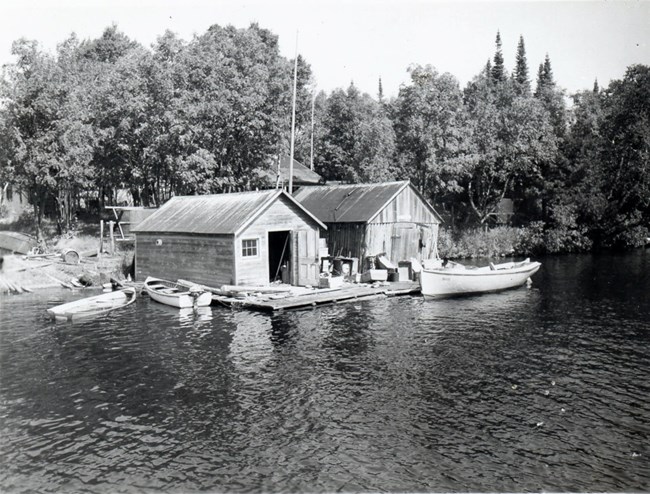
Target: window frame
{"x": 243, "y": 248}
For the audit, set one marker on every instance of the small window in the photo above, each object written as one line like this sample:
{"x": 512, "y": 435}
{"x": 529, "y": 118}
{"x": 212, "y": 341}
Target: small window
{"x": 249, "y": 247}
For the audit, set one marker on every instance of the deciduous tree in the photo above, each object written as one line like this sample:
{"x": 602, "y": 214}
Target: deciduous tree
{"x": 431, "y": 131}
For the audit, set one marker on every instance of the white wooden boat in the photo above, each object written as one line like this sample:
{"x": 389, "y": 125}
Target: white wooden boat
{"x": 457, "y": 279}
{"x": 175, "y": 294}
{"x": 93, "y": 306}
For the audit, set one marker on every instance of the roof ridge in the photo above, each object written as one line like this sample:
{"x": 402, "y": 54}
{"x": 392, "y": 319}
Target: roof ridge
{"x": 374, "y": 184}
{"x": 221, "y": 194}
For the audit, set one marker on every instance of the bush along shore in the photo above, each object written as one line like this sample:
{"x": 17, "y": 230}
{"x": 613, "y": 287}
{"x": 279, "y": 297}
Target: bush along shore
{"x": 506, "y": 241}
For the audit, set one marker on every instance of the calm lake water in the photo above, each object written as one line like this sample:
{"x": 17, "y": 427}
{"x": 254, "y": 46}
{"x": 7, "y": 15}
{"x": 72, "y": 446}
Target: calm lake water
{"x": 541, "y": 388}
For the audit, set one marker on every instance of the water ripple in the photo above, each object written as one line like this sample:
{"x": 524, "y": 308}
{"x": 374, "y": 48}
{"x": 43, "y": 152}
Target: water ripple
{"x": 534, "y": 389}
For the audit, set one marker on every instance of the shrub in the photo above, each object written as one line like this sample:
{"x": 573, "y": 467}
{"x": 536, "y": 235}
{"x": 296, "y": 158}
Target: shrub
{"x": 494, "y": 242}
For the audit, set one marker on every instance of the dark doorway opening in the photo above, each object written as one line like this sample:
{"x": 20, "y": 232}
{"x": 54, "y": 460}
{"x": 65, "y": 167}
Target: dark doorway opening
{"x": 279, "y": 254}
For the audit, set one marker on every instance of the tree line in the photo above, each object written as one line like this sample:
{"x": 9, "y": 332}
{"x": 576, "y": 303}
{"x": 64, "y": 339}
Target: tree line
{"x": 214, "y": 114}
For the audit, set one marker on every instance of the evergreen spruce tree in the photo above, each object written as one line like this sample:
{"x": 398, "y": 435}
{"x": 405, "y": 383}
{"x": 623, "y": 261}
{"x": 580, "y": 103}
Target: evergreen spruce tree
{"x": 498, "y": 70}
{"x": 521, "y": 70}
{"x": 544, "y": 77}
{"x": 596, "y": 89}
{"x": 548, "y": 72}
{"x": 488, "y": 68}
{"x": 380, "y": 91}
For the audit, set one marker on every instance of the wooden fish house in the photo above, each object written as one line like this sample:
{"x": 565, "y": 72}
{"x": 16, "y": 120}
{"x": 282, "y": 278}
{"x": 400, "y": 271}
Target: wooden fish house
{"x": 279, "y": 174}
{"x": 369, "y": 219}
{"x": 247, "y": 238}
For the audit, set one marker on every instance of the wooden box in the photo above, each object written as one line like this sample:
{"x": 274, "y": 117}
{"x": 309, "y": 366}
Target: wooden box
{"x": 374, "y": 275}
{"x": 330, "y": 282}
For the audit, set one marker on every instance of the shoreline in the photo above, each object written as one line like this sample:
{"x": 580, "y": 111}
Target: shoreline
{"x": 20, "y": 273}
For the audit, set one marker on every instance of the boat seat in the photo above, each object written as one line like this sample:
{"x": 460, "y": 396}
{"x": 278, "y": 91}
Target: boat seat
{"x": 157, "y": 286}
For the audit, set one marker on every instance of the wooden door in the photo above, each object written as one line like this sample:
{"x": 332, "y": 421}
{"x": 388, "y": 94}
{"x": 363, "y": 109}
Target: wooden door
{"x": 404, "y": 243}
{"x": 306, "y": 265}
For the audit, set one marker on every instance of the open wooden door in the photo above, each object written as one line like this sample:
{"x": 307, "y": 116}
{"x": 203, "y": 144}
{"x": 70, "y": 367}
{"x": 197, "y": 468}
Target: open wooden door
{"x": 304, "y": 257}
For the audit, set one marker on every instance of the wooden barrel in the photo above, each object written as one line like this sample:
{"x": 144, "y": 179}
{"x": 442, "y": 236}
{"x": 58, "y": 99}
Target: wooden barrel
{"x": 71, "y": 256}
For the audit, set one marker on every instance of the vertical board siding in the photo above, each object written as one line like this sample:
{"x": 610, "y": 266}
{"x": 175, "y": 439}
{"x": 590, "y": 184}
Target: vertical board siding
{"x": 305, "y": 260}
{"x": 206, "y": 259}
{"x": 282, "y": 215}
{"x": 405, "y": 228}
{"x": 406, "y": 207}
{"x": 346, "y": 239}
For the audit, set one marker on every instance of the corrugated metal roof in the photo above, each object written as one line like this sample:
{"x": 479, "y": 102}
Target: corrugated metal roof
{"x": 348, "y": 203}
{"x": 213, "y": 214}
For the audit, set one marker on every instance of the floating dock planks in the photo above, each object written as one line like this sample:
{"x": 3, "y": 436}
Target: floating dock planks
{"x": 348, "y": 293}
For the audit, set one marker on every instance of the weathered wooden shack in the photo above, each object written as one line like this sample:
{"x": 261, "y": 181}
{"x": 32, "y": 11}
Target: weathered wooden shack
{"x": 368, "y": 219}
{"x": 241, "y": 238}
{"x": 278, "y": 175}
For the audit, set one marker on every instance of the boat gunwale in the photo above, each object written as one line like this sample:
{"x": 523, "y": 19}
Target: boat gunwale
{"x": 484, "y": 272}
{"x": 182, "y": 293}
{"x": 69, "y": 314}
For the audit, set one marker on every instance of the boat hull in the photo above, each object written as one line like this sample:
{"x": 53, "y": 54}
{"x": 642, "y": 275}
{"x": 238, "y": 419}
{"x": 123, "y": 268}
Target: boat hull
{"x": 171, "y": 296}
{"x": 93, "y": 306}
{"x": 442, "y": 282}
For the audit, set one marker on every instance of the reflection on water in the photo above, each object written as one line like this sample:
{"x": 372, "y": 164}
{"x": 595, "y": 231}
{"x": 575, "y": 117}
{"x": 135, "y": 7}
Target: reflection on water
{"x": 541, "y": 388}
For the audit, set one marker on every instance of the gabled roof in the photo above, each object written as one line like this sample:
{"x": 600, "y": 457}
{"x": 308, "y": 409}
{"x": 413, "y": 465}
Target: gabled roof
{"x": 301, "y": 174}
{"x": 214, "y": 214}
{"x": 358, "y": 203}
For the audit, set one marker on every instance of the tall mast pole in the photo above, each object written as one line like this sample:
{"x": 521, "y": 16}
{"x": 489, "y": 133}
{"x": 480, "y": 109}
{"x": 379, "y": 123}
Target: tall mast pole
{"x": 313, "y": 99}
{"x": 293, "y": 117}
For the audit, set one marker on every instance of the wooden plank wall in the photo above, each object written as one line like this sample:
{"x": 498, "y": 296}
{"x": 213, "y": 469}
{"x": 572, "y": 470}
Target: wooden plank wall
{"x": 206, "y": 259}
{"x": 346, "y": 239}
{"x": 405, "y": 228}
{"x": 406, "y": 207}
{"x": 401, "y": 241}
{"x": 282, "y": 215}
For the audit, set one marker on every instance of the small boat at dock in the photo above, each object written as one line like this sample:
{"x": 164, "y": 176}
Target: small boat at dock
{"x": 176, "y": 294}
{"x": 93, "y": 306}
{"x": 455, "y": 279}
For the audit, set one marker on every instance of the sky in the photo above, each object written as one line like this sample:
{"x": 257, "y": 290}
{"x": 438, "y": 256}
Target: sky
{"x": 361, "y": 41}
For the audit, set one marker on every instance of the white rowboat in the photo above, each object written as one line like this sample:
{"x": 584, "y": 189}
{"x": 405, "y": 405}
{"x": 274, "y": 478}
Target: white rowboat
{"x": 457, "y": 279}
{"x": 175, "y": 294}
{"x": 93, "y": 306}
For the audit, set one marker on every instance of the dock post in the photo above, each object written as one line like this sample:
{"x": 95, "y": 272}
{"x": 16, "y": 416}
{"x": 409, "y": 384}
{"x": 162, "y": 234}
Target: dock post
{"x": 101, "y": 238}
{"x": 111, "y": 232}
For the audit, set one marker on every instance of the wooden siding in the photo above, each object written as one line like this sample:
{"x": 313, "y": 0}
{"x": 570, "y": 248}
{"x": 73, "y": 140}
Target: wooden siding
{"x": 406, "y": 207}
{"x": 346, "y": 239}
{"x": 401, "y": 241}
{"x": 206, "y": 259}
{"x": 282, "y": 215}
{"x": 405, "y": 228}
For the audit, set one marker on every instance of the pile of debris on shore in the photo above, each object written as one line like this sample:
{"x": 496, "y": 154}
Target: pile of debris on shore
{"x": 68, "y": 269}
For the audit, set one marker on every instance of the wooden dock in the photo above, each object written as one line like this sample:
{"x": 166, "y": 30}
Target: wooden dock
{"x": 348, "y": 293}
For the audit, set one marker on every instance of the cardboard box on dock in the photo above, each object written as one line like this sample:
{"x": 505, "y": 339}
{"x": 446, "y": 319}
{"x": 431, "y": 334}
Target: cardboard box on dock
{"x": 330, "y": 282}
{"x": 374, "y": 275}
